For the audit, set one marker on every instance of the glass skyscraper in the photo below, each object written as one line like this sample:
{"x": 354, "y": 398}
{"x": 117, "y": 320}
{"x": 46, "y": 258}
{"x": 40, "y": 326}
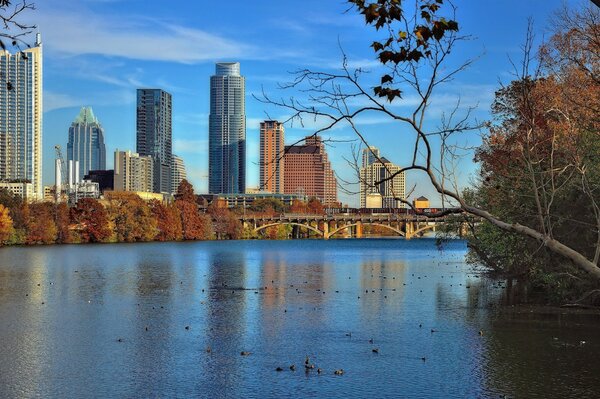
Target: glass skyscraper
{"x": 86, "y": 142}
{"x": 227, "y": 130}
{"x": 154, "y": 134}
{"x": 21, "y": 116}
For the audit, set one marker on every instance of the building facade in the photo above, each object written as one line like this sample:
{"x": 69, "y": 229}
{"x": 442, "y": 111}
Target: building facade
{"x": 383, "y": 178}
{"x": 21, "y": 116}
{"x": 178, "y": 173}
{"x": 86, "y": 142}
{"x": 308, "y": 171}
{"x": 133, "y": 172}
{"x": 227, "y": 130}
{"x": 23, "y": 190}
{"x": 154, "y": 134}
{"x": 272, "y": 165}
{"x": 104, "y": 178}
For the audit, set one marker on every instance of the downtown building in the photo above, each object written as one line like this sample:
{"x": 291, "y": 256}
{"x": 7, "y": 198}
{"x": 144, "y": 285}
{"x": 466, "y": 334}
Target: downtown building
{"x": 378, "y": 189}
{"x": 308, "y": 172}
{"x": 133, "y": 172}
{"x": 177, "y": 173}
{"x": 154, "y": 134}
{"x": 227, "y": 131}
{"x": 21, "y": 118}
{"x": 272, "y": 165}
{"x": 86, "y": 143}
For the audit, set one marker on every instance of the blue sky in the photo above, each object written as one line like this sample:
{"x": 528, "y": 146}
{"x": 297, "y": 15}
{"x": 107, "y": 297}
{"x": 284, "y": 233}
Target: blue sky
{"x": 97, "y": 52}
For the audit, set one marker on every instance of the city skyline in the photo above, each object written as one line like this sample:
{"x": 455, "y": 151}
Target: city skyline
{"x": 189, "y": 47}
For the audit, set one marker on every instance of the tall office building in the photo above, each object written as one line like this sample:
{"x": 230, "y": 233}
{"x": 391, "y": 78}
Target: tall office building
{"x": 86, "y": 142}
{"x": 375, "y": 181}
{"x": 177, "y": 172}
{"x": 154, "y": 134}
{"x": 308, "y": 171}
{"x": 133, "y": 172}
{"x": 272, "y": 164}
{"x": 370, "y": 155}
{"x": 21, "y": 116}
{"x": 227, "y": 130}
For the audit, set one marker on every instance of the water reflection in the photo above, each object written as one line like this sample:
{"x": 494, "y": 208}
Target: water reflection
{"x": 136, "y": 321}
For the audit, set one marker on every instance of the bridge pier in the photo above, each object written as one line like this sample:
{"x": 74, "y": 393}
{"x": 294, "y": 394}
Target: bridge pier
{"x": 359, "y": 229}
{"x": 326, "y": 230}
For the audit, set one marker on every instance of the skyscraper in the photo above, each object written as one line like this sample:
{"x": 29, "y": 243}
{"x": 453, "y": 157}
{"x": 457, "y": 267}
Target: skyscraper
{"x": 227, "y": 130}
{"x": 178, "y": 173}
{"x": 154, "y": 134}
{"x": 86, "y": 142}
{"x": 308, "y": 171}
{"x": 376, "y": 179}
{"x": 271, "y": 156}
{"x": 370, "y": 155}
{"x": 21, "y": 116}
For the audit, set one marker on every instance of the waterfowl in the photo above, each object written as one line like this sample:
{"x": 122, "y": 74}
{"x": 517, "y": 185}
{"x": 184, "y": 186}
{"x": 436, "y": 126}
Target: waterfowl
{"x": 244, "y": 353}
{"x": 339, "y": 372}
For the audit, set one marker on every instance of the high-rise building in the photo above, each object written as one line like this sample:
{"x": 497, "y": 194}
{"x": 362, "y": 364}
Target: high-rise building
{"x": 154, "y": 134}
{"x": 227, "y": 130}
{"x": 370, "y": 155}
{"x": 382, "y": 178}
{"x": 86, "y": 142}
{"x": 21, "y": 116}
{"x": 133, "y": 172}
{"x": 178, "y": 173}
{"x": 308, "y": 171}
{"x": 272, "y": 164}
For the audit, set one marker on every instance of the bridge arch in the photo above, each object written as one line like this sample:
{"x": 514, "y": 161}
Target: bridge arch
{"x": 337, "y": 230}
{"x": 423, "y": 229}
{"x": 259, "y": 228}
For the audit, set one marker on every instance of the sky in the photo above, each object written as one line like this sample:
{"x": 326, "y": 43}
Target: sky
{"x": 98, "y": 52}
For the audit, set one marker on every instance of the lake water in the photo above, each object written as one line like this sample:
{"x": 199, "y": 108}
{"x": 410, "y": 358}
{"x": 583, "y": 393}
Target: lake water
{"x": 162, "y": 320}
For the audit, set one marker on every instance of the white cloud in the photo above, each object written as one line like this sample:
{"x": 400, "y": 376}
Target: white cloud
{"x": 54, "y": 101}
{"x": 75, "y": 33}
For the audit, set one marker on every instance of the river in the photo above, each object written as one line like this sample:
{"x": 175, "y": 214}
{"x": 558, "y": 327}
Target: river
{"x": 162, "y": 320}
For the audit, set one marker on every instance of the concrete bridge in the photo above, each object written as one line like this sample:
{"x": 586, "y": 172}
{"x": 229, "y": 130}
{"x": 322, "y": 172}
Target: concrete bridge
{"x": 326, "y": 226}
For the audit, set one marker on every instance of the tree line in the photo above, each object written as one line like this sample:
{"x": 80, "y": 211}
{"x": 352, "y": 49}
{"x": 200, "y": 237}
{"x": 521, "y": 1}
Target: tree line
{"x": 125, "y": 217}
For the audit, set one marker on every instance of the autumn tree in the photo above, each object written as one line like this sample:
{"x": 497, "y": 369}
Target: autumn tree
{"x": 131, "y": 217}
{"x": 185, "y": 192}
{"x": 6, "y": 224}
{"x": 225, "y": 223}
{"x": 168, "y": 221}
{"x": 90, "y": 220}
{"x": 268, "y": 206}
{"x": 195, "y": 225}
{"x": 414, "y": 52}
{"x": 41, "y": 228}
{"x": 62, "y": 221}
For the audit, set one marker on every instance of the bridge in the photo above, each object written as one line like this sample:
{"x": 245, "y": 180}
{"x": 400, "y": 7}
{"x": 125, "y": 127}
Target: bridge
{"x": 351, "y": 225}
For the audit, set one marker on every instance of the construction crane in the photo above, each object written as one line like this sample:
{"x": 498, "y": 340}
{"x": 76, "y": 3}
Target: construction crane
{"x": 60, "y": 182}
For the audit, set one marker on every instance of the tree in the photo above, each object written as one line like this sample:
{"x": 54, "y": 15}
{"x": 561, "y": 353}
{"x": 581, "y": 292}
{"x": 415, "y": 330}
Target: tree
{"x": 41, "y": 228}
{"x": 416, "y": 46}
{"x": 6, "y": 224}
{"x": 131, "y": 217}
{"x": 91, "y": 220}
{"x": 314, "y": 206}
{"x": 194, "y": 225}
{"x": 225, "y": 223}
{"x": 168, "y": 221}
{"x": 185, "y": 192}
{"x": 62, "y": 221}
{"x": 268, "y": 205}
